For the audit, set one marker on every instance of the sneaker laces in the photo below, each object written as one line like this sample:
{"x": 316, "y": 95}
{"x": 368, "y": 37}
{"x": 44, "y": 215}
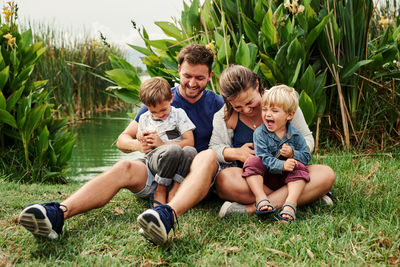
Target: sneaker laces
{"x": 166, "y": 212}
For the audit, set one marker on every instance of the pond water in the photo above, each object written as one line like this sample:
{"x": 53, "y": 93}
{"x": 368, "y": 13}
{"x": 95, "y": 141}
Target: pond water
{"x": 95, "y": 150}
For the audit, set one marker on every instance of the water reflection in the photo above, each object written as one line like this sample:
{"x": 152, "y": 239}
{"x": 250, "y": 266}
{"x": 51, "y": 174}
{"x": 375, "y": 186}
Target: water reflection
{"x": 95, "y": 150}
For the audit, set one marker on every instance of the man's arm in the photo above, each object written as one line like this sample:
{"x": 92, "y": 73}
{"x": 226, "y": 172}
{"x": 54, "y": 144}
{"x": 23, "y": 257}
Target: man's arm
{"x": 127, "y": 141}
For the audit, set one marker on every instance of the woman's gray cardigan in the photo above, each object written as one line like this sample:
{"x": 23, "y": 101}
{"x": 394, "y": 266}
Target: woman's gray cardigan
{"x": 221, "y": 137}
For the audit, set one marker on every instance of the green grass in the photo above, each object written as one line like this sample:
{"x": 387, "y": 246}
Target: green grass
{"x": 362, "y": 228}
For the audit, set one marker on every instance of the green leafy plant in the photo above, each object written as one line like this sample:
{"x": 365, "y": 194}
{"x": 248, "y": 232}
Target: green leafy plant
{"x": 27, "y": 126}
{"x": 326, "y": 50}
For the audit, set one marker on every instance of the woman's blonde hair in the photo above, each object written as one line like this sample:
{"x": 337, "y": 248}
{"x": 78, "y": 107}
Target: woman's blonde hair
{"x": 282, "y": 96}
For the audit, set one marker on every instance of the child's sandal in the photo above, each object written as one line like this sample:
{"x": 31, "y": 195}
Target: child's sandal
{"x": 259, "y": 206}
{"x": 286, "y": 212}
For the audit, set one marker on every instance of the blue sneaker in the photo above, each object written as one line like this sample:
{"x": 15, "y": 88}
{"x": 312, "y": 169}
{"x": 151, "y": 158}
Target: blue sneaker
{"x": 157, "y": 223}
{"x": 44, "y": 220}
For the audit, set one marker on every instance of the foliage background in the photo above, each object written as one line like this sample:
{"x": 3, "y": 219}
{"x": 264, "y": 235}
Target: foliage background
{"x": 342, "y": 57}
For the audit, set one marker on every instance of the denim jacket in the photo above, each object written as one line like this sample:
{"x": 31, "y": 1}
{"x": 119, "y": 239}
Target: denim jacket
{"x": 267, "y": 145}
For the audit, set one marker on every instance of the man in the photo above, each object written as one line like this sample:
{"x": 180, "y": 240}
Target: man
{"x": 195, "y": 70}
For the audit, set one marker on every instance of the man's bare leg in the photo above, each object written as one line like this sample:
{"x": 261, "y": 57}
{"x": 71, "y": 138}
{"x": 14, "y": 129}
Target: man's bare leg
{"x": 196, "y": 185}
{"x": 156, "y": 223}
{"x": 47, "y": 219}
{"x": 100, "y": 190}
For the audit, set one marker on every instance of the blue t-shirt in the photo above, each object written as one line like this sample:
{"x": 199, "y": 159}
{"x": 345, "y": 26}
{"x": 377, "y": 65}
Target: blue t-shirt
{"x": 200, "y": 113}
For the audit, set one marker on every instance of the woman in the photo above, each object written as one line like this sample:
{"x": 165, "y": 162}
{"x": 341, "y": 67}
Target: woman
{"x": 232, "y": 140}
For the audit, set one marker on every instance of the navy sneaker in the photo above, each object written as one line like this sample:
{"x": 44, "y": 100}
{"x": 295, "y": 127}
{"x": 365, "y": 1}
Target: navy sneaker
{"x": 157, "y": 223}
{"x": 45, "y": 220}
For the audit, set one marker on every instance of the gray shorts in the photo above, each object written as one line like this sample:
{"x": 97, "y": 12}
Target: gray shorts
{"x": 151, "y": 184}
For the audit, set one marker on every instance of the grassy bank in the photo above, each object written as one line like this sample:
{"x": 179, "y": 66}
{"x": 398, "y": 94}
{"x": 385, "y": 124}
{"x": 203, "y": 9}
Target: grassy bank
{"x": 361, "y": 228}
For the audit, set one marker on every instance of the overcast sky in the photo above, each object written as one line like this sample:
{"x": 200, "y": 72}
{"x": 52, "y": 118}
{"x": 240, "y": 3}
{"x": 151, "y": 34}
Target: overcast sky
{"x": 111, "y": 17}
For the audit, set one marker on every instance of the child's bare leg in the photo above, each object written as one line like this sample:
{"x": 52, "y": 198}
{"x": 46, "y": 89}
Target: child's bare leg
{"x": 295, "y": 189}
{"x": 173, "y": 190}
{"x": 256, "y": 184}
{"x": 160, "y": 194}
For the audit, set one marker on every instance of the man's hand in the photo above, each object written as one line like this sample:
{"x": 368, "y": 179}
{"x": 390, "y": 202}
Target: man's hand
{"x": 286, "y": 151}
{"x": 245, "y": 151}
{"x": 289, "y": 165}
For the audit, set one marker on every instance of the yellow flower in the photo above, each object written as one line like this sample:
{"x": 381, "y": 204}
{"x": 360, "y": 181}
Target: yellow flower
{"x": 288, "y": 5}
{"x": 211, "y": 45}
{"x": 7, "y": 13}
{"x": 12, "y": 42}
{"x": 95, "y": 43}
{"x": 300, "y": 9}
{"x": 385, "y": 22}
{"x": 8, "y": 36}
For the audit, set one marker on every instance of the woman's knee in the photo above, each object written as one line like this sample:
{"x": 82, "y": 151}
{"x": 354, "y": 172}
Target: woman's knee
{"x": 324, "y": 173}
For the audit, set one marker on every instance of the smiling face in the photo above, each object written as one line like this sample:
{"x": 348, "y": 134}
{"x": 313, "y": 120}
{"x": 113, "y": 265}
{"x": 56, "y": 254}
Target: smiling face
{"x": 161, "y": 110}
{"x": 247, "y": 102}
{"x": 194, "y": 79}
{"x": 275, "y": 119}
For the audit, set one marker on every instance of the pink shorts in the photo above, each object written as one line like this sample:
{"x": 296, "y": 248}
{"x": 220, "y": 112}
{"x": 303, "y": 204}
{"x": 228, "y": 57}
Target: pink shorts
{"x": 255, "y": 166}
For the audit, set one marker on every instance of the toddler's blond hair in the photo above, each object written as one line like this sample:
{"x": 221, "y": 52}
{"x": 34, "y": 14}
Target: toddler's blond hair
{"x": 281, "y": 96}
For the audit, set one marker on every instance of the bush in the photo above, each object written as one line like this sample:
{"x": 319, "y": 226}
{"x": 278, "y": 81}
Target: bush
{"x": 34, "y": 146}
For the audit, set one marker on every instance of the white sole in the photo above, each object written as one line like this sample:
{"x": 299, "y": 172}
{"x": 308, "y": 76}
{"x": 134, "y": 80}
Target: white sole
{"x": 34, "y": 219}
{"x": 224, "y": 208}
{"x": 152, "y": 226}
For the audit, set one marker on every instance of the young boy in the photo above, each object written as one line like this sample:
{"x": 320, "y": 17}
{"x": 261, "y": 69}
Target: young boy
{"x": 281, "y": 154}
{"x": 166, "y": 134}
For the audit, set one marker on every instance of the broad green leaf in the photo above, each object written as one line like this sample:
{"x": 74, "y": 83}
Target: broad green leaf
{"x": 307, "y": 81}
{"x": 307, "y": 107}
{"x": 22, "y": 77}
{"x": 128, "y": 96}
{"x": 274, "y": 67}
{"x": 295, "y": 52}
{"x": 2, "y": 63}
{"x": 4, "y": 75}
{"x": 314, "y": 33}
{"x": 349, "y": 70}
{"x": 7, "y": 118}
{"x": 296, "y": 74}
{"x": 259, "y": 12}
{"x": 66, "y": 151}
{"x": 250, "y": 29}
{"x": 3, "y": 102}
{"x": 26, "y": 39}
{"x": 268, "y": 29}
{"x": 12, "y": 99}
{"x": 243, "y": 54}
{"x": 124, "y": 78}
{"x": 142, "y": 50}
{"x": 43, "y": 141}
{"x": 33, "y": 119}
{"x": 162, "y": 44}
{"x": 170, "y": 30}
{"x": 267, "y": 74}
{"x": 120, "y": 63}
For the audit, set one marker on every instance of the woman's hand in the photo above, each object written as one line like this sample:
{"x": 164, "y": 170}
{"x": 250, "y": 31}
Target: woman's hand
{"x": 245, "y": 151}
{"x": 286, "y": 151}
{"x": 289, "y": 165}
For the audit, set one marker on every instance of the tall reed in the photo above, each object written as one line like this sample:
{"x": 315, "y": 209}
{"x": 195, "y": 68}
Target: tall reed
{"x": 69, "y": 64}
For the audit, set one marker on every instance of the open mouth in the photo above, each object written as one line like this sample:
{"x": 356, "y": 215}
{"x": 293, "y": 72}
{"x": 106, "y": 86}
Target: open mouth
{"x": 270, "y": 123}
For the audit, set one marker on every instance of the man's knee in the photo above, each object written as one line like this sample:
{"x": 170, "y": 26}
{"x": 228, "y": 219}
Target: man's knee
{"x": 130, "y": 173}
{"x": 207, "y": 156}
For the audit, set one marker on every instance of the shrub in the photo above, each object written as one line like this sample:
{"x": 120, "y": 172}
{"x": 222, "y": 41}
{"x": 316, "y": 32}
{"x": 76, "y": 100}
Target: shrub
{"x": 35, "y": 147}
